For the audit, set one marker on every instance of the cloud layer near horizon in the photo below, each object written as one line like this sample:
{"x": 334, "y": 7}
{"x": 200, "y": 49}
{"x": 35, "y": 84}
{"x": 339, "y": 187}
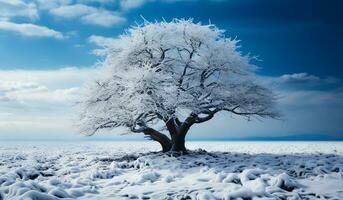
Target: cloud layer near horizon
{"x": 39, "y": 104}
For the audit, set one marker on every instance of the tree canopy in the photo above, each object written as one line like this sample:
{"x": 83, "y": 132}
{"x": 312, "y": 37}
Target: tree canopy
{"x": 170, "y": 76}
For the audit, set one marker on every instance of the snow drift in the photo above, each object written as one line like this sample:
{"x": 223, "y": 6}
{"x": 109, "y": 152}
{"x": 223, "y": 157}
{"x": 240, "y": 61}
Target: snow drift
{"x": 116, "y": 170}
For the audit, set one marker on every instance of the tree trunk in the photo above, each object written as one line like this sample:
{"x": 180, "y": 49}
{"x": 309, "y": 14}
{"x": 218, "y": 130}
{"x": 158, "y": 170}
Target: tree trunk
{"x": 178, "y": 143}
{"x": 178, "y": 133}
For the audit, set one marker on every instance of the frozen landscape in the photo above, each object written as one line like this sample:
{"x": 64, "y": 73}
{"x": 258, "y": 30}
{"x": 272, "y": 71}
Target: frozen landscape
{"x": 137, "y": 170}
{"x": 188, "y": 76}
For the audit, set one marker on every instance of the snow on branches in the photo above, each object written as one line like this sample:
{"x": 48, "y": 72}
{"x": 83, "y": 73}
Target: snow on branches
{"x": 174, "y": 74}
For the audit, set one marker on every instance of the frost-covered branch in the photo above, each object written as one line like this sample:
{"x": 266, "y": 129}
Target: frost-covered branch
{"x": 170, "y": 76}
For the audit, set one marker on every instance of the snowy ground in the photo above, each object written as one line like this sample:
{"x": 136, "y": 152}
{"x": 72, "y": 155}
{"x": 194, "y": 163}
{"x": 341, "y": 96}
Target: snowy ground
{"x": 134, "y": 170}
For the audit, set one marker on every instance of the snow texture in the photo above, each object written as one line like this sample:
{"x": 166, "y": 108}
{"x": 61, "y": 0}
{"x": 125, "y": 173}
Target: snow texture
{"x": 136, "y": 170}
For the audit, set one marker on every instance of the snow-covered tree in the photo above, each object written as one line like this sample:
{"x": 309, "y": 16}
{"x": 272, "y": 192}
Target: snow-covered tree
{"x": 168, "y": 76}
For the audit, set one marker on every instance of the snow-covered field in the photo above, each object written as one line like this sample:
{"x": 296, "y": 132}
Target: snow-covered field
{"x": 134, "y": 170}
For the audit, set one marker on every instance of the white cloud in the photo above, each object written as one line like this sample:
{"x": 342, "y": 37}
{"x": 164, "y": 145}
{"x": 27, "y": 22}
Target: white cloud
{"x": 18, "y": 8}
{"x": 42, "y": 87}
{"x": 130, "y": 4}
{"x": 307, "y": 78}
{"x": 49, "y": 4}
{"x": 98, "y": 1}
{"x": 299, "y": 77}
{"x": 100, "y": 40}
{"x": 54, "y": 79}
{"x": 72, "y": 11}
{"x": 38, "y": 102}
{"x": 302, "y": 80}
{"x": 10, "y": 85}
{"x": 43, "y": 94}
{"x": 31, "y": 30}
{"x": 103, "y": 18}
{"x": 89, "y": 15}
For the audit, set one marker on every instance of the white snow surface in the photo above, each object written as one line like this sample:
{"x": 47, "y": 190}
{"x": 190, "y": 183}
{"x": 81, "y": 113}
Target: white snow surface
{"x": 136, "y": 170}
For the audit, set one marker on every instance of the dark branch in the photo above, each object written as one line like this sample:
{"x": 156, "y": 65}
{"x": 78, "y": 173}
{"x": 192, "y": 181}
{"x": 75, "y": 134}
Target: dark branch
{"x": 154, "y": 135}
{"x": 260, "y": 113}
{"x": 159, "y": 137}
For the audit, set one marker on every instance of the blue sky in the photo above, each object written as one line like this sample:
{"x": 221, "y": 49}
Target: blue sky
{"x": 46, "y": 55}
